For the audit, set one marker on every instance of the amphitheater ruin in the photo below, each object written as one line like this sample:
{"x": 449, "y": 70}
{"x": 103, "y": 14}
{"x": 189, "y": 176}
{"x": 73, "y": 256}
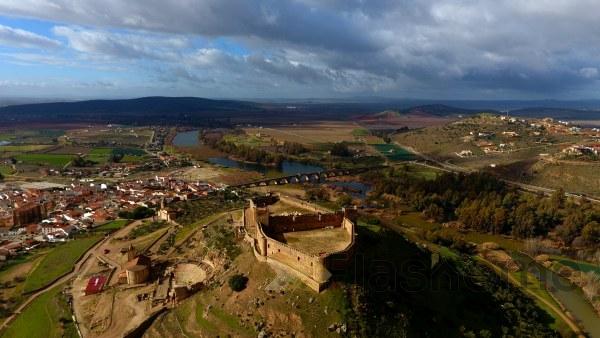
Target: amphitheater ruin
{"x": 310, "y": 246}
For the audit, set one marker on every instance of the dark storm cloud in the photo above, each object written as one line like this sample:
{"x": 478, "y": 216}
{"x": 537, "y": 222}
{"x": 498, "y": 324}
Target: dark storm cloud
{"x": 385, "y": 46}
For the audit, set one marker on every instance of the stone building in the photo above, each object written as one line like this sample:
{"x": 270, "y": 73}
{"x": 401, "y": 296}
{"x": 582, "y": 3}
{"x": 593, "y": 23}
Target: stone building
{"x": 137, "y": 268}
{"x": 310, "y": 246}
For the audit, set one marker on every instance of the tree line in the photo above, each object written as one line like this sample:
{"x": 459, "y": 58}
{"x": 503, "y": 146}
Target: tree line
{"x": 241, "y": 151}
{"x": 484, "y": 203}
{"x": 248, "y": 153}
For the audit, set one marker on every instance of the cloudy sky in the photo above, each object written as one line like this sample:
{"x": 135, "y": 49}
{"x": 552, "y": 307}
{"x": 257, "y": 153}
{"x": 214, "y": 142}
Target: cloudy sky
{"x": 301, "y": 48}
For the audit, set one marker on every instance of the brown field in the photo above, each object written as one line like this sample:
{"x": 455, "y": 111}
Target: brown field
{"x": 581, "y": 178}
{"x": 234, "y": 176}
{"x": 294, "y": 190}
{"x": 68, "y": 149}
{"x": 201, "y": 152}
{"x": 311, "y": 133}
{"x": 113, "y": 135}
{"x": 411, "y": 121}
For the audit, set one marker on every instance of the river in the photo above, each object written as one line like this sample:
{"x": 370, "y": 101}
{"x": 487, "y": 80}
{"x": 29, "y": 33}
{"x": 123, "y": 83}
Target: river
{"x": 570, "y": 296}
{"x": 286, "y": 167}
{"x": 186, "y": 139}
{"x": 190, "y": 139}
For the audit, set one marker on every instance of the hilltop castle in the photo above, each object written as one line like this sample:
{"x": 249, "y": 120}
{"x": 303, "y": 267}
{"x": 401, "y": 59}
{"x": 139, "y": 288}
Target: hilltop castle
{"x": 309, "y": 245}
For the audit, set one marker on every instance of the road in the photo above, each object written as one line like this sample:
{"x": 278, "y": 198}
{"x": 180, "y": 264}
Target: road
{"x": 457, "y": 169}
{"x": 76, "y": 269}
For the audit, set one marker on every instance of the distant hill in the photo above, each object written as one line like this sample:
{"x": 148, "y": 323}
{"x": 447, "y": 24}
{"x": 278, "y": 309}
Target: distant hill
{"x": 147, "y": 110}
{"x": 430, "y": 110}
{"x": 195, "y": 111}
{"x": 558, "y": 113}
{"x": 441, "y": 110}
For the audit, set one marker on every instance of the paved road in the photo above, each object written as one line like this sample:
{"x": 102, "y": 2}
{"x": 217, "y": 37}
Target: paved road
{"x": 523, "y": 186}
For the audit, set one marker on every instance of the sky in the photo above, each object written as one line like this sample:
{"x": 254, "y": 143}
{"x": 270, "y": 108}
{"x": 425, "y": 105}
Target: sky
{"x": 444, "y": 49}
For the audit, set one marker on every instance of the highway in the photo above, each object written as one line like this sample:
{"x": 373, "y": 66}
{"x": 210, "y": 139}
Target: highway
{"x": 448, "y": 167}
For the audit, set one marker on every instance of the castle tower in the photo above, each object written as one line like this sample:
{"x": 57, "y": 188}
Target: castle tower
{"x": 131, "y": 252}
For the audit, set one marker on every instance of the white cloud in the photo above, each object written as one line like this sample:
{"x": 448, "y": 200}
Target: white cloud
{"x": 15, "y": 37}
{"x": 119, "y": 45}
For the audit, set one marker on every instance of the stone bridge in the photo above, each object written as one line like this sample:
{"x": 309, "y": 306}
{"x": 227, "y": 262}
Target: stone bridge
{"x": 307, "y": 177}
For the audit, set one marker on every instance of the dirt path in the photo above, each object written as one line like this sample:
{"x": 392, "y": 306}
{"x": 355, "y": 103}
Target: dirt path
{"x": 59, "y": 281}
{"x": 76, "y": 270}
{"x": 549, "y": 304}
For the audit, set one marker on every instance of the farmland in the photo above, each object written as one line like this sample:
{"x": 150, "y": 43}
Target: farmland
{"x": 53, "y": 160}
{"x": 6, "y": 170}
{"x": 31, "y": 136}
{"x": 112, "y": 136}
{"x": 49, "y": 313}
{"x": 23, "y": 148}
{"x": 58, "y": 262}
{"x": 102, "y": 155}
{"x": 394, "y": 152}
{"x": 112, "y": 225}
{"x": 325, "y": 132}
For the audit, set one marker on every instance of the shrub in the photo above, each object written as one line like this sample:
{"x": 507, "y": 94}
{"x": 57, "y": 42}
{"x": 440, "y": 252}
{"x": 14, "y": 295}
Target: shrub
{"x": 238, "y": 282}
{"x": 137, "y": 213}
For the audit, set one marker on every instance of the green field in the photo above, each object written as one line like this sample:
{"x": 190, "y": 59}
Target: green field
{"x": 113, "y": 225}
{"x": 55, "y": 160}
{"x": 100, "y": 155}
{"x": 23, "y": 147}
{"x": 103, "y": 154}
{"x": 6, "y": 170}
{"x": 58, "y": 262}
{"x": 43, "y": 317}
{"x": 32, "y": 136}
{"x": 393, "y": 152}
{"x": 360, "y": 132}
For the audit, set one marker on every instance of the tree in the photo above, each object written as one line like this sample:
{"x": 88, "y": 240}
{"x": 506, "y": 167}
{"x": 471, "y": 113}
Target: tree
{"x": 340, "y": 149}
{"x": 591, "y": 233}
{"x": 238, "y": 282}
{"x": 524, "y": 222}
{"x": 567, "y": 232}
{"x": 317, "y": 194}
{"x": 116, "y": 157}
{"x": 344, "y": 200}
{"x": 137, "y": 213}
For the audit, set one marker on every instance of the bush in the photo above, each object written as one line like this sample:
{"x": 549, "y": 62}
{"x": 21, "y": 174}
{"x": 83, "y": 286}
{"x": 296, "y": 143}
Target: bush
{"x": 238, "y": 282}
{"x": 340, "y": 149}
{"x": 137, "y": 213}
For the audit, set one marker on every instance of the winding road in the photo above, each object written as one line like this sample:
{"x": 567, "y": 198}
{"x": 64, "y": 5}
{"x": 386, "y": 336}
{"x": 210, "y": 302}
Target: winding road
{"x": 457, "y": 169}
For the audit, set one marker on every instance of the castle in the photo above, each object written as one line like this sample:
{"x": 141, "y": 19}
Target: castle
{"x": 309, "y": 246}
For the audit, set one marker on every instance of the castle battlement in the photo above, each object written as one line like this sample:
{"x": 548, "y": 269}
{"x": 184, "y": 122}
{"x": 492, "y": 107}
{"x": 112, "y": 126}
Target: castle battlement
{"x": 308, "y": 245}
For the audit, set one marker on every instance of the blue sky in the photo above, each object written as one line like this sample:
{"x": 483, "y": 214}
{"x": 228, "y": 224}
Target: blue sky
{"x": 442, "y": 49}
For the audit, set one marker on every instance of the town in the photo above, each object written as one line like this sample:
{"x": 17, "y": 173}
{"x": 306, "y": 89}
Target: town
{"x": 299, "y": 169}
